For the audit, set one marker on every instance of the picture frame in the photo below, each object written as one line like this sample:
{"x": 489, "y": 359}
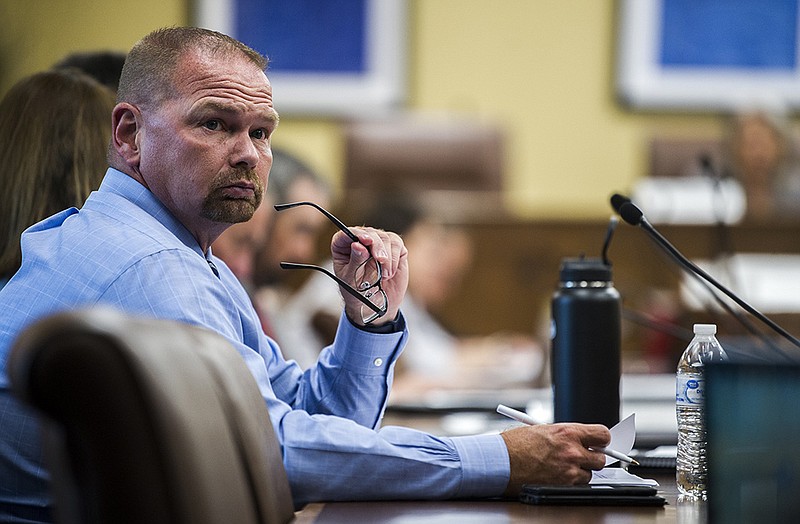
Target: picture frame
{"x": 361, "y": 68}
{"x": 714, "y": 55}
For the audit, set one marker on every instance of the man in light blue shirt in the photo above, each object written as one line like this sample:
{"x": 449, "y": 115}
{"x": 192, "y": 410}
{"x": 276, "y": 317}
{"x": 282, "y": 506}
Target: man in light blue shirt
{"x": 190, "y": 155}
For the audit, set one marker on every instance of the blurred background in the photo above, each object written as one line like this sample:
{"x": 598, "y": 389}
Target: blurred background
{"x": 512, "y": 122}
{"x": 542, "y": 70}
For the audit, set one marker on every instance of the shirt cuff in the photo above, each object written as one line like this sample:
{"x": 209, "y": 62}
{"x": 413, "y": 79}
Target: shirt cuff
{"x": 485, "y": 466}
{"x": 364, "y": 352}
{"x": 395, "y": 326}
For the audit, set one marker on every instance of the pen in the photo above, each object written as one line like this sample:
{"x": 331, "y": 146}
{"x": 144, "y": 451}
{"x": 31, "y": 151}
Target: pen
{"x": 513, "y": 414}
{"x": 617, "y": 455}
{"x": 519, "y": 416}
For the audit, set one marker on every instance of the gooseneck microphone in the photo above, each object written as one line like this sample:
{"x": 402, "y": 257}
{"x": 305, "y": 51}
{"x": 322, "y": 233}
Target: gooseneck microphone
{"x": 617, "y": 200}
{"x": 631, "y": 214}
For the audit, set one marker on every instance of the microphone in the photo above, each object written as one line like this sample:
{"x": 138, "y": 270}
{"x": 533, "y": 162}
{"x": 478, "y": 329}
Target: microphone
{"x": 631, "y": 214}
{"x": 707, "y": 166}
{"x": 722, "y": 246}
{"x": 617, "y": 200}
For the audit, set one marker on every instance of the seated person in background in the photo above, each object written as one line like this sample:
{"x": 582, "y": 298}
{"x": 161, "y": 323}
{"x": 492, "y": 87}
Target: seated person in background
{"x": 762, "y": 157}
{"x": 239, "y": 244}
{"x": 270, "y": 235}
{"x": 439, "y": 256}
{"x": 493, "y": 361}
{"x": 289, "y": 237}
{"x": 103, "y": 66}
{"x": 190, "y": 155}
{"x": 54, "y": 136}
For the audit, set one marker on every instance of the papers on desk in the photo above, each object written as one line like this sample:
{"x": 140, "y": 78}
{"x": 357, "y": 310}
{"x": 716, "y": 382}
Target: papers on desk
{"x": 623, "y": 435}
{"x": 619, "y": 476}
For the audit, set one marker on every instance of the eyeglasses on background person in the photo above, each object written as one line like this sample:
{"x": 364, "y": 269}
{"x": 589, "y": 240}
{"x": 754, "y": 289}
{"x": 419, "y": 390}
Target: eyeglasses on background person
{"x": 368, "y": 290}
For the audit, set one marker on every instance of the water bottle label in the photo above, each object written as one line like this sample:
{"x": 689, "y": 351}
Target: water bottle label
{"x": 691, "y": 391}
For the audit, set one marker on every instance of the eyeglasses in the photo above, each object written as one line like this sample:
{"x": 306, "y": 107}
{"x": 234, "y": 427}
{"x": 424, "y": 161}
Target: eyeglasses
{"x": 368, "y": 290}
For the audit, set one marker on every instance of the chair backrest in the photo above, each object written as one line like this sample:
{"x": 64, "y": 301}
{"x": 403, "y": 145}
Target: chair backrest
{"x": 455, "y": 164}
{"x": 679, "y": 157}
{"x": 149, "y": 421}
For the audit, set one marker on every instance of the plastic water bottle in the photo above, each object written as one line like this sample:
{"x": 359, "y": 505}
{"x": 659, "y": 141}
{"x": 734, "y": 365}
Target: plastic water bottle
{"x": 586, "y": 313}
{"x": 692, "y": 462}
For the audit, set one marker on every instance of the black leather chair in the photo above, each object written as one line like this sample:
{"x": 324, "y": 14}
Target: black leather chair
{"x": 149, "y": 421}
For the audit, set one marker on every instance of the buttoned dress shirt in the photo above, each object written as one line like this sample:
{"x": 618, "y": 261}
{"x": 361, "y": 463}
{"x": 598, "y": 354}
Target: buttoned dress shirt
{"x": 123, "y": 248}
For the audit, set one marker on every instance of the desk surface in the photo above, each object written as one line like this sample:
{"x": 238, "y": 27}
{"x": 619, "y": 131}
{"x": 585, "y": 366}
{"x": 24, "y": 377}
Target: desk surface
{"x": 503, "y": 511}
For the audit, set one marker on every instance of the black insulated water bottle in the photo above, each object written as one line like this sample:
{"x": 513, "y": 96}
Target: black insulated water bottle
{"x": 586, "y": 313}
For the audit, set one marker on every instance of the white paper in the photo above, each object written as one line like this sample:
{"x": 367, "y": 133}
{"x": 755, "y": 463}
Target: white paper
{"x": 619, "y": 476}
{"x": 622, "y": 437}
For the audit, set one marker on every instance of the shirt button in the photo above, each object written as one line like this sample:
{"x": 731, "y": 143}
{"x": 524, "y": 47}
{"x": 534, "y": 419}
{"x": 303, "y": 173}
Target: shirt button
{"x": 378, "y": 362}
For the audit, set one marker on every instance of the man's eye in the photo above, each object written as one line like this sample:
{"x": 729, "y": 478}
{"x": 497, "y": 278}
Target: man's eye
{"x": 213, "y": 125}
{"x": 259, "y": 134}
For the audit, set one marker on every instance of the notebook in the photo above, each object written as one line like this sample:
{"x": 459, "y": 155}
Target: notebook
{"x": 753, "y": 422}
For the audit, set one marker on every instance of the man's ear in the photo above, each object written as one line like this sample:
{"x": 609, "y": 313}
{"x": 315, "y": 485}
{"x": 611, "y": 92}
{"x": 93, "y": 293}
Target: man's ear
{"x": 125, "y": 128}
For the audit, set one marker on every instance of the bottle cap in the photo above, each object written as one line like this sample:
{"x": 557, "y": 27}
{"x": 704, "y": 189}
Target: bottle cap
{"x": 584, "y": 269}
{"x": 705, "y": 329}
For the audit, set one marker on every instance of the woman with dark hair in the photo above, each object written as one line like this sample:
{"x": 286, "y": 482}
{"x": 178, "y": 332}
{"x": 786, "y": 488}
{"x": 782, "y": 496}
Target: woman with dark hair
{"x": 55, "y": 127}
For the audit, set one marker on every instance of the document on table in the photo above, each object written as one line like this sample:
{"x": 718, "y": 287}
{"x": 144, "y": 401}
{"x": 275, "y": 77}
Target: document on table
{"x": 612, "y": 476}
{"x": 623, "y": 436}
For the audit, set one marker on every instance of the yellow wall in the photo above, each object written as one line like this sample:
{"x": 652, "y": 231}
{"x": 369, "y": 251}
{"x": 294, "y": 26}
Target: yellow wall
{"x": 542, "y": 68}
{"x": 37, "y": 33}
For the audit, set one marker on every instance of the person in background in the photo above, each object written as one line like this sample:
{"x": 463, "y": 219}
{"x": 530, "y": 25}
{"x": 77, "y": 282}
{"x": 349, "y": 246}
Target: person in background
{"x": 439, "y": 257}
{"x": 440, "y": 254}
{"x": 190, "y": 155}
{"x": 239, "y": 244}
{"x": 54, "y": 133}
{"x": 103, "y": 66}
{"x": 252, "y": 249}
{"x": 290, "y": 236}
{"x": 762, "y": 156}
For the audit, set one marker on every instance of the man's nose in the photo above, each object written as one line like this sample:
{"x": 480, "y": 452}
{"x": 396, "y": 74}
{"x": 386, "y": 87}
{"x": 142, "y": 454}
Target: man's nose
{"x": 244, "y": 151}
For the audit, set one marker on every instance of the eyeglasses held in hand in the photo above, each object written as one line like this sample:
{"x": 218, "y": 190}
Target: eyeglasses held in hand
{"x": 368, "y": 290}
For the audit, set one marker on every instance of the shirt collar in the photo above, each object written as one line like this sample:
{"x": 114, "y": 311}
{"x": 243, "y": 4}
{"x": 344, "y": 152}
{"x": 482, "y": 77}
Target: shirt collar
{"x": 127, "y": 187}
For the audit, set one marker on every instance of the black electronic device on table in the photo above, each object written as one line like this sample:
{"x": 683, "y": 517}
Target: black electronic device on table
{"x": 591, "y": 495}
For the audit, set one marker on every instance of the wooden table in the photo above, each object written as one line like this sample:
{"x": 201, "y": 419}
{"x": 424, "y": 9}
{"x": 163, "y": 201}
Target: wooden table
{"x": 504, "y": 511}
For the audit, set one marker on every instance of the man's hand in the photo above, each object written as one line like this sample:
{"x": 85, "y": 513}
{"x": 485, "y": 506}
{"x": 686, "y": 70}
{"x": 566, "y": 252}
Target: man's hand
{"x": 388, "y": 250}
{"x": 554, "y": 454}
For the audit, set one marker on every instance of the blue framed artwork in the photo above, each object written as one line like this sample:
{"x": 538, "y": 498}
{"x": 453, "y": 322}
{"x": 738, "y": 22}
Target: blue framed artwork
{"x": 331, "y": 57}
{"x": 708, "y": 54}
